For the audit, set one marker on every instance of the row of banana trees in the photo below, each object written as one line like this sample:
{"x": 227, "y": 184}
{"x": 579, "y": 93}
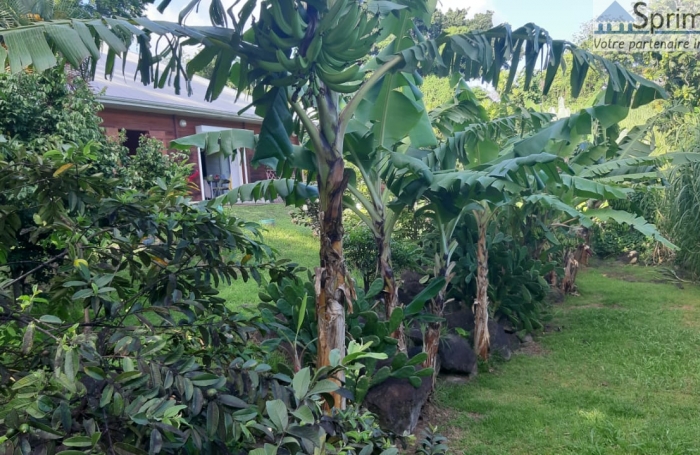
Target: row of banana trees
{"x": 313, "y": 72}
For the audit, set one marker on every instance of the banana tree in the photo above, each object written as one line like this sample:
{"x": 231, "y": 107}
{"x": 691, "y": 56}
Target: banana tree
{"x": 369, "y": 141}
{"x": 449, "y": 195}
{"x": 607, "y": 165}
{"x": 300, "y": 60}
{"x": 475, "y": 143}
{"x": 526, "y": 174}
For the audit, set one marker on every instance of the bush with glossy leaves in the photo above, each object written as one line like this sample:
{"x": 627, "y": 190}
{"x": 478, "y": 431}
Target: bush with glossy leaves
{"x": 125, "y": 346}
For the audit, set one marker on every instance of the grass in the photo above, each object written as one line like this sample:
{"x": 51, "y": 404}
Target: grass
{"x": 621, "y": 377}
{"x": 290, "y": 240}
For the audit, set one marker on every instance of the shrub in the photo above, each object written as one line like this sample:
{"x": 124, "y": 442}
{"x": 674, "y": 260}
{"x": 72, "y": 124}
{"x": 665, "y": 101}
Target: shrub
{"x": 127, "y": 347}
{"x": 360, "y": 250}
{"x": 34, "y": 105}
{"x": 114, "y": 338}
{"x": 152, "y": 162}
{"x": 410, "y": 227}
{"x": 614, "y": 239}
{"x": 683, "y": 202}
{"x": 288, "y": 310}
{"x": 517, "y": 285}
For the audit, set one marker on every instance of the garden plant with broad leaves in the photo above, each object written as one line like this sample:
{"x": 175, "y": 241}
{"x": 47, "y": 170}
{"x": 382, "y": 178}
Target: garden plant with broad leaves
{"x": 300, "y": 62}
{"x": 124, "y": 346}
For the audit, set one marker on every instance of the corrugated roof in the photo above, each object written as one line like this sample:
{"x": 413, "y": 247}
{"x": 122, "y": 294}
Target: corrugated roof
{"x": 123, "y": 92}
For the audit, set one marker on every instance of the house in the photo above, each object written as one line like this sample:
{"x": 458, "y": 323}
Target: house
{"x": 160, "y": 113}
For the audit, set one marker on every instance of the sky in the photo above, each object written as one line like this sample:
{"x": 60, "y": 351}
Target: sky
{"x": 561, "y": 18}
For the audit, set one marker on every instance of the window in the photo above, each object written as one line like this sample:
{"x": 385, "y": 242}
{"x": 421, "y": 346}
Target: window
{"x": 132, "y": 140}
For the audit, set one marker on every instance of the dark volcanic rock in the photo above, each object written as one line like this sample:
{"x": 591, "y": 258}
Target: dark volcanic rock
{"x": 416, "y": 336}
{"x": 463, "y": 319}
{"x": 410, "y": 286}
{"x": 414, "y": 351}
{"x": 457, "y": 356}
{"x": 453, "y": 306}
{"x": 398, "y": 404}
{"x": 502, "y": 343}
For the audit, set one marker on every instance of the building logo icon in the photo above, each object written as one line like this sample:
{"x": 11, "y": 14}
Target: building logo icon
{"x": 646, "y": 30}
{"x": 615, "y": 19}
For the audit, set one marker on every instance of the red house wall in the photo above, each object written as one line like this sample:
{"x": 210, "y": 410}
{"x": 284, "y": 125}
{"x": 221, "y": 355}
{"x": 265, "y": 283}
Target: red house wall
{"x": 167, "y": 128}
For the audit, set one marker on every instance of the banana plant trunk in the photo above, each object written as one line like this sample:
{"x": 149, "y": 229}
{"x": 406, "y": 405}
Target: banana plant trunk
{"x": 481, "y": 303}
{"x": 391, "y": 290}
{"x": 334, "y": 291}
{"x": 431, "y": 337}
{"x": 568, "y": 282}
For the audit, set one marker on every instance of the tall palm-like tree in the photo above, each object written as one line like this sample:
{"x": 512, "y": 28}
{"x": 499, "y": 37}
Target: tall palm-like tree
{"x": 307, "y": 65}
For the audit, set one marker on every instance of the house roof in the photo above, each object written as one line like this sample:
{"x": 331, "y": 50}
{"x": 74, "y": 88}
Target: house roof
{"x": 126, "y": 93}
{"x": 615, "y": 13}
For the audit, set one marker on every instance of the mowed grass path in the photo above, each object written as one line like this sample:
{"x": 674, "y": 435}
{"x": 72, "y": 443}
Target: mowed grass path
{"x": 621, "y": 377}
{"x": 290, "y": 240}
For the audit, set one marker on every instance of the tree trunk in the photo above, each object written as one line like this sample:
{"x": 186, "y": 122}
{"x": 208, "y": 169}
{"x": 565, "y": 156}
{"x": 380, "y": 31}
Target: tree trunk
{"x": 481, "y": 303}
{"x": 391, "y": 291}
{"x": 553, "y": 277}
{"x": 334, "y": 291}
{"x": 431, "y": 345}
{"x": 431, "y": 338}
{"x": 568, "y": 283}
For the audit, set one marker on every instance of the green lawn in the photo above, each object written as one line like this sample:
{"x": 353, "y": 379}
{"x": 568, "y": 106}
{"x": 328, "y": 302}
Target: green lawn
{"x": 621, "y": 377}
{"x": 290, "y": 240}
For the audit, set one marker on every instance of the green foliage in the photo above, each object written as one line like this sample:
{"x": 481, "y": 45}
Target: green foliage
{"x": 15, "y": 13}
{"x": 362, "y": 431}
{"x": 436, "y": 91}
{"x": 40, "y": 111}
{"x": 366, "y": 325}
{"x": 432, "y": 443}
{"x": 34, "y": 105}
{"x": 361, "y": 253}
{"x": 118, "y": 8}
{"x": 517, "y": 284}
{"x": 127, "y": 347}
{"x": 611, "y": 238}
{"x": 683, "y": 203}
{"x": 560, "y": 88}
{"x": 24, "y": 12}
{"x": 151, "y": 162}
{"x": 411, "y": 228}
{"x": 456, "y": 20}
{"x": 308, "y": 215}
{"x": 288, "y": 310}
